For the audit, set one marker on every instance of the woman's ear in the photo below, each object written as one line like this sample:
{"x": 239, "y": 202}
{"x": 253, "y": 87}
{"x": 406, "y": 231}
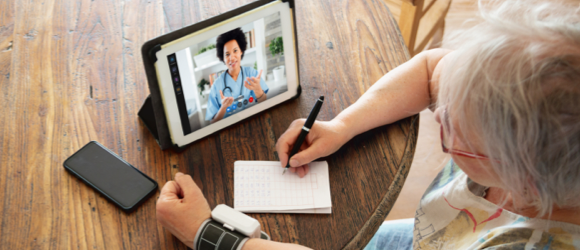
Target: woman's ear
{"x": 437, "y": 114}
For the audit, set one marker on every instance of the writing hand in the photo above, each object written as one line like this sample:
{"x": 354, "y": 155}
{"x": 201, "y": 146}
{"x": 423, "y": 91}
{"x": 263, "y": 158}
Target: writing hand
{"x": 181, "y": 208}
{"x": 323, "y": 139}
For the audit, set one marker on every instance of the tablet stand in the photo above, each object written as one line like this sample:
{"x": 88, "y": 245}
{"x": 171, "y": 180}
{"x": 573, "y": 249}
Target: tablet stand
{"x": 148, "y": 117}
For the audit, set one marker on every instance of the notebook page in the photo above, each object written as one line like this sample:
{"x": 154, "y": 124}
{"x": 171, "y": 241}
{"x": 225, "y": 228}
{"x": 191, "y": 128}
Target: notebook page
{"x": 259, "y": 186}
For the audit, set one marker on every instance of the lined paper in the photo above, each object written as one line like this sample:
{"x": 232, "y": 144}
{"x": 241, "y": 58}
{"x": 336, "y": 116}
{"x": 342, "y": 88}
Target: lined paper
{"x": 260, "y": 187}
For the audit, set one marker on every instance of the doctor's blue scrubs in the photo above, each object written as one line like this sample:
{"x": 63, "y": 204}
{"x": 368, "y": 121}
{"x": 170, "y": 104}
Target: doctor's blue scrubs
{"x": 237, "y": 89}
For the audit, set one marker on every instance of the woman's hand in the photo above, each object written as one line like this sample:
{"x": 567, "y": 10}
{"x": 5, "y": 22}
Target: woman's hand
{"x": 323, "y": 139}
{"x": 253, "y": 83}
{"x": 226, "y": 101}
{"x": 181, "y": 208}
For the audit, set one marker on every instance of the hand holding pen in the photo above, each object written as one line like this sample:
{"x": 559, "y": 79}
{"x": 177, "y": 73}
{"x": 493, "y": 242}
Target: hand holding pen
{"x": 323, "y": 139}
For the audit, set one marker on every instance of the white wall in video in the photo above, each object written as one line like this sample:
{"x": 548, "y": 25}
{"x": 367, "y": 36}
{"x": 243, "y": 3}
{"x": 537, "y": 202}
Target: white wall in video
{"x": 221, "y": 77}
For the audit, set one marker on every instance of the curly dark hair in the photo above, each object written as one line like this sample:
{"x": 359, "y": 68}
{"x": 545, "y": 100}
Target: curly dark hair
{"x": 235, "y": 34}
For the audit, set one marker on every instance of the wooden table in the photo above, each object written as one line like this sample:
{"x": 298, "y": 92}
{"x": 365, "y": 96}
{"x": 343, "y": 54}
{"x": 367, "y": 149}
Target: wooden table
{"x": 71, "y": 72}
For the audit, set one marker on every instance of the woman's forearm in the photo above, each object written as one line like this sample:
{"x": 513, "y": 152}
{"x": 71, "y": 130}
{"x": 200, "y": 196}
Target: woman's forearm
{"x": 263, "y": 97}
{"x": 402, "y": 92}
{"x": 266, "y": 244}
{"x": 218, "y": 116}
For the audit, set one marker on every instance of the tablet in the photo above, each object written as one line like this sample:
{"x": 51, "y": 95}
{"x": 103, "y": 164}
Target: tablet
{"x": 227, "y": 72}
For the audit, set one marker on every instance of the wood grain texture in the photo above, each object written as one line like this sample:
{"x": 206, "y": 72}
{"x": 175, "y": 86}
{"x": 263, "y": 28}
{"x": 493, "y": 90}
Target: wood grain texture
{"x": 71, "y": 72}
{"x": 422, "y": 22}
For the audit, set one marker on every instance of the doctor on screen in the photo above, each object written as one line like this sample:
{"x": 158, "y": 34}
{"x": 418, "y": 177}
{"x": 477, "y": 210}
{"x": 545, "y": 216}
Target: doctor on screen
{"x": 238, "y": 87}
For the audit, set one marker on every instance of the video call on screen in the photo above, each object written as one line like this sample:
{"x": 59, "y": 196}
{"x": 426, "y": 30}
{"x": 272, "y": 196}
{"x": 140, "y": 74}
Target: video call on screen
{"x": 200, "y": 78}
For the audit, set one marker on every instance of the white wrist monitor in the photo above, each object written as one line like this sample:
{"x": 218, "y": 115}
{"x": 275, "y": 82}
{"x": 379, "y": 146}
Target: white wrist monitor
{"x": 236, "y": 220}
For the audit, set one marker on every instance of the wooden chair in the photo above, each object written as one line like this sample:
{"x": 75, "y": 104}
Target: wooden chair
{"x": 421, "y": 21}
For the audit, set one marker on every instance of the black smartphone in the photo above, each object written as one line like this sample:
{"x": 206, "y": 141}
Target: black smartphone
{"x": 110, "y": 175}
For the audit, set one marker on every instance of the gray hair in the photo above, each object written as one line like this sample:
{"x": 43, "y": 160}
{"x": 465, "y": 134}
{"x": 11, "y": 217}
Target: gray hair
{"x": 515, "y": 85}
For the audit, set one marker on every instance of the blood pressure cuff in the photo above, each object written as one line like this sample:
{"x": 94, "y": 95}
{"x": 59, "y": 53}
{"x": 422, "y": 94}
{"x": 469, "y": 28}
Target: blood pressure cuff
{"x": 213, "y": 235}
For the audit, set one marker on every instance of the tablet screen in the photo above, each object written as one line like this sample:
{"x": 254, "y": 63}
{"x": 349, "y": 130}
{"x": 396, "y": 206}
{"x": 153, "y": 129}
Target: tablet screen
{"x": 228, "y": 73}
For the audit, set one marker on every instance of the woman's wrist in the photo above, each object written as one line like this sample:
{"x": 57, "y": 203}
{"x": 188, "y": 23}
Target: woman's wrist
{"x": 221, "y": 112}
{"x": 219, "y": 115}
{"x": 258, "y": 95}
{"x": 197, "y": 233}
{"x": 342, "y": 129}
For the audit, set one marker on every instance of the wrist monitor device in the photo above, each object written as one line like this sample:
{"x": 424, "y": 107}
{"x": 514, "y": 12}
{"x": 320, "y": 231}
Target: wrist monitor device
{"x": 227, "y": 229}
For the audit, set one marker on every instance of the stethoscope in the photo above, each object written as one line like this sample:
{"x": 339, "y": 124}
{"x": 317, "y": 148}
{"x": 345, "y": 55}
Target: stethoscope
{"x": 239, "y": 101}
{"x": 230, "y": 89}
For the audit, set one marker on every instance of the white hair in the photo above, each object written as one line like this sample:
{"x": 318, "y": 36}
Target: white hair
{"x": 515, "y": 85}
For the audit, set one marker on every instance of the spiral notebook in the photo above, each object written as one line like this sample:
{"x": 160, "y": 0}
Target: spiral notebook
{"x": 260, "y": 187}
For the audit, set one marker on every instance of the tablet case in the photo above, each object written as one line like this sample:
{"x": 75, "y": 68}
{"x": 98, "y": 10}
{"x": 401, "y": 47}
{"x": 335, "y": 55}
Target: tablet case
{"x": 152, "y": 112}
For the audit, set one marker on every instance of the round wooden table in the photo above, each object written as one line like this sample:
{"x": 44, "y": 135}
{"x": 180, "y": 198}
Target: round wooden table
{"x": 71, "y": 72}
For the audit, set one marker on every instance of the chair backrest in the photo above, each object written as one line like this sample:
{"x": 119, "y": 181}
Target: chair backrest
{"x": 430, "y": 14}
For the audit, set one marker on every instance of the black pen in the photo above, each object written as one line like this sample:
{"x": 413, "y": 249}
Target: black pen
{"x": 305, "y": 130}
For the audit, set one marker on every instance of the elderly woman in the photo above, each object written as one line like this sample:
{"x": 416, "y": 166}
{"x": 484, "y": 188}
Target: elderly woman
{"x": 238, "y": 87}
{"x": 508, "y": 103}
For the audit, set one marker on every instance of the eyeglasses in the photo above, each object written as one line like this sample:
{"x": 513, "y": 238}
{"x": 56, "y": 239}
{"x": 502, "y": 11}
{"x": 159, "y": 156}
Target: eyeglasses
{"x": 459, "y": 152}
{"x": 455, "y": 151}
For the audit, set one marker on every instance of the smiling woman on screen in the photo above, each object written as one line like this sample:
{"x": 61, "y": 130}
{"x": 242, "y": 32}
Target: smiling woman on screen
{"x": 238, "y": 86}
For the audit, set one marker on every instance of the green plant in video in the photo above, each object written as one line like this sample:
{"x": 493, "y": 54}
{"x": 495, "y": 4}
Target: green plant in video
{"x": 204, "y": 49}
{"x": 200, "y": 85}
{"x": 277, "y": 46}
